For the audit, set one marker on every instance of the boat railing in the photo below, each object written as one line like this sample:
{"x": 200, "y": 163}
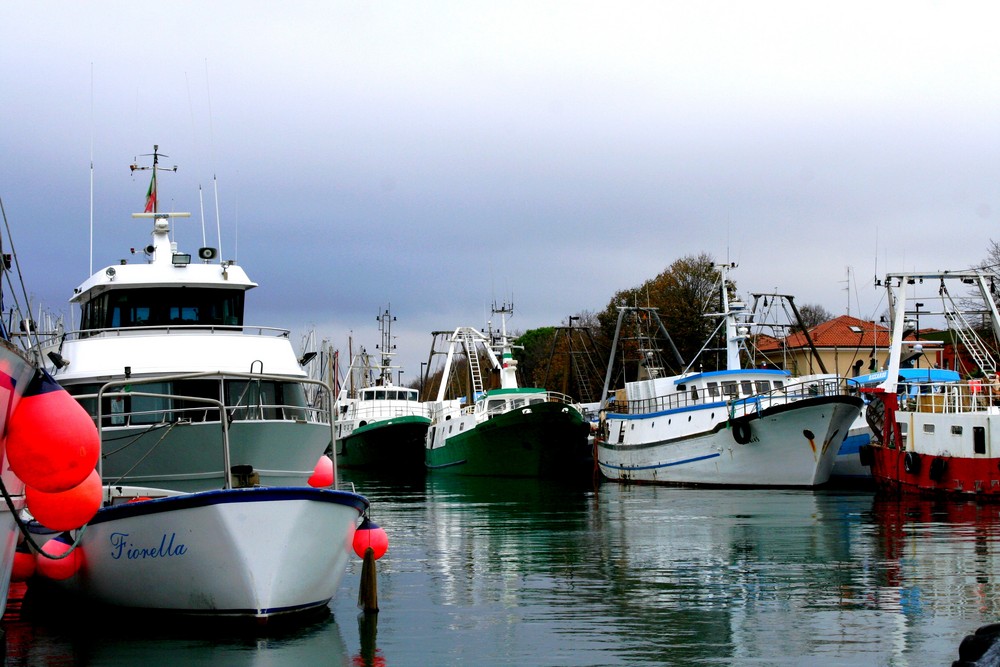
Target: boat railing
{"x": 498, "y": 405}
{"x": 734, "y": 402}
{"x": 110, "y": 332}
{"x": 181, "y": 414}
{"x": 223, "y": 423}
{"x": 176, "y": 406}
{"x": 382, "y": 410}
{"x": 954, "y": 397}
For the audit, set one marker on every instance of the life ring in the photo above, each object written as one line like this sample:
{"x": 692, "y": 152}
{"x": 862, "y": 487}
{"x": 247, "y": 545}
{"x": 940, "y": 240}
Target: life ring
{"x": 911, "y": 463}
{"x": 741, "y": 431}
{"x": 938, "y": 466}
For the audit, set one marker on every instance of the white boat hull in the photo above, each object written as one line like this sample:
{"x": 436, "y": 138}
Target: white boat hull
{"x": 661, "y": 448}
{"x": 251, "y": 553}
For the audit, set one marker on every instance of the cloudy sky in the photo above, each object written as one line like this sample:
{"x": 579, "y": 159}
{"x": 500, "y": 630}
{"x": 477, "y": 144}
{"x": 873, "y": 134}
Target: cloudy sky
{"x": 438, "y": 156}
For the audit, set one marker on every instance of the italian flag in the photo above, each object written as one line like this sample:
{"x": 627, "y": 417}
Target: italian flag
{"x": 151, "y": 195}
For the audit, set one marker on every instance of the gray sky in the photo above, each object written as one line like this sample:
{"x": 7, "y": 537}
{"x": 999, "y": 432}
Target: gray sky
{"x": 439, "y": 156}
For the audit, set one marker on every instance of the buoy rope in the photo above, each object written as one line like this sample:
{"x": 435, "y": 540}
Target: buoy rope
{"x": 132, "y": 439}
{"x": 143, "y": 457}
{"x": 27, "y": 533}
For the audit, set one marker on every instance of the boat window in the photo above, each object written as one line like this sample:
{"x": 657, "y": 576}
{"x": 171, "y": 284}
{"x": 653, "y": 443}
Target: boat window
{"x": 536, "y": 401}
{"x": 778, "y": 384}
{"x": 494, "y": 406}
{"x": 729, "y": 388}
{"x": 265, "y": 399}
{"x": 694, "y": 393}
{"x": 763, "y": 386}
{"x": 411, "y": 395}
{"x": 713, "y": 389}
{"x": 380, "y": 395}
{"x": 956, "y": 430}
{"x": 928, "y": 428}
{"x": 160, "y": 306}
{"x": 747, "y": 387}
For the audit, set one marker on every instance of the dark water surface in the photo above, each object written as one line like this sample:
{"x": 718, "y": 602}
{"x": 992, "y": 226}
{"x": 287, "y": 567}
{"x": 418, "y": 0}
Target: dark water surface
{"x": 522, "y": 572}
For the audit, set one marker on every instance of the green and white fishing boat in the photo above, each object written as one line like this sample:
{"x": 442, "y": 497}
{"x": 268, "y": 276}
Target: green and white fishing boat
{"x": 504, "y": 431}
{"x": 380, "y": 426}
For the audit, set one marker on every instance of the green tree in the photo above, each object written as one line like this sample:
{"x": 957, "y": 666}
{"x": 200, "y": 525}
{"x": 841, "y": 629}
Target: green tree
{"x": 685, "y": 293}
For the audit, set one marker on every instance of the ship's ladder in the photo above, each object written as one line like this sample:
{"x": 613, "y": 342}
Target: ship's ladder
{"x": 473, "y": 356}
{"x": 972, "y": 341}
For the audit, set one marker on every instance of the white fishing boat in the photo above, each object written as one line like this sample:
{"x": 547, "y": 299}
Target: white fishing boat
{"x": 380, "y": 425}
{"x": 208, "y": 443}
{"x": 508, "y": 430}
{"x": 732, "y": 427}
{"x": 933, "y": 429}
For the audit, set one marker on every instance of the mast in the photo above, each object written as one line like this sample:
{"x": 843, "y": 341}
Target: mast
{"x": 386, "y": 348}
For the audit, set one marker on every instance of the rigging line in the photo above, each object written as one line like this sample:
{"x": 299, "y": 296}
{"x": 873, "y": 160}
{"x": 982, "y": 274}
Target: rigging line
{"x": 16, "y": 513}
{"x": 20, "y": 276}
{"x": 143, "y": 457}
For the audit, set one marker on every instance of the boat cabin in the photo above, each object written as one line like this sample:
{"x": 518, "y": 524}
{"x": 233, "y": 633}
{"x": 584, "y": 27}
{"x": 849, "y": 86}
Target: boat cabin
{"x": 163, "y": 306}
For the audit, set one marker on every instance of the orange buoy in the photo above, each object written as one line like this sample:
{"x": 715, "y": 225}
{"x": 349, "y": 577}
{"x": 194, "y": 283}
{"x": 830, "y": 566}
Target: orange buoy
{"x": 323, "y": 473}
{"x": 24, "y": 566}
{"x": 369, "y": 534}
{"x": 65, "y": 510}
{"x": 58, "y": 568}
{"x": 52, "y": 443}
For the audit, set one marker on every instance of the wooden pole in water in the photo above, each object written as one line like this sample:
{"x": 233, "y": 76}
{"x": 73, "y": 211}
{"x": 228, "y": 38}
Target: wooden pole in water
{"x": 368, "y": 589}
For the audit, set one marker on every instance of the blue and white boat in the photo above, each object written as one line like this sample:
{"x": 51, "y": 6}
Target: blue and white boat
{"x": 732, "y": 427}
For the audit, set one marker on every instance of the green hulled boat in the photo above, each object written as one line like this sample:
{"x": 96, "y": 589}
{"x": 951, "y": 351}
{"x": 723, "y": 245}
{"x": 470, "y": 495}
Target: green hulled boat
{"x": 380, "y": 426}
{"x": 507, "y": 431}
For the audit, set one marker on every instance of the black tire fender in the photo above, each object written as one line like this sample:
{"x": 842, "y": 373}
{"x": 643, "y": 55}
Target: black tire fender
{"x": 741, "y": 431}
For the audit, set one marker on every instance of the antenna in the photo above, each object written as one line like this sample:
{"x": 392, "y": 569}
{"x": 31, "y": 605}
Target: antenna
{"x": 151, "y": 193}
{"x": 91, "y": 271}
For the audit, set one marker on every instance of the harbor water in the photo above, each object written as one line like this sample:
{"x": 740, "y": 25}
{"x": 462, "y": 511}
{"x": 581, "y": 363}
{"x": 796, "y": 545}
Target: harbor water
{"x": 528, "y": 572}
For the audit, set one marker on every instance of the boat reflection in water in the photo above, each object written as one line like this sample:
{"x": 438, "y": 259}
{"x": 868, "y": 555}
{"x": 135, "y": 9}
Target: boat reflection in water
{"x": 497, "y": 571}
{"x": 43, "y": 636}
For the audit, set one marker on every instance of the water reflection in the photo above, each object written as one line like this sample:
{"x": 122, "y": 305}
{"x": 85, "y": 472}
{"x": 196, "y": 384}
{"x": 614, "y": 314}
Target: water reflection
{"x": 527, "y": 572}
{"x": 36, "y": 636}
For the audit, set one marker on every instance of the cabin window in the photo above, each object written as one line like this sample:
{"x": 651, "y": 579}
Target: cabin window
{"x": 713, "y": 389}
{"x": 747, "y": 387}
{"x": 928, "y": 428}
{"x": 956, "y": 430}
{"x": 380, "y": 395}
{"x": 729, "y": 389}
{"x": 763, "y": 386}
{"x": 161, "y": 306}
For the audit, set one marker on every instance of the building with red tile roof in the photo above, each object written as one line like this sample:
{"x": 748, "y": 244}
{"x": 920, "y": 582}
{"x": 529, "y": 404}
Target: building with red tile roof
{"x": 845, "y": 345}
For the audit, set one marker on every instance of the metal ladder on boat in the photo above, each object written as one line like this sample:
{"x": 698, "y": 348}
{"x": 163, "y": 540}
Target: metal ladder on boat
{"x": 474, "y": 370}
{"x": 973, "y": 343}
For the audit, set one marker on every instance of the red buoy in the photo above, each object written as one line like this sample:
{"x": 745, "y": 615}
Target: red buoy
{"x": 61, "y": 568}
{"x": 369, "y": 534}
{"x": 52, "y": 443}
{"x": 65, "y": 510}
{"x": 322, "y": 476}
{"x": 24, "y": 566}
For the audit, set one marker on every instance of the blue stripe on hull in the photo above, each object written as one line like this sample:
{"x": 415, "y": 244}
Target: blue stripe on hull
{"x": 663, "y": 465}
